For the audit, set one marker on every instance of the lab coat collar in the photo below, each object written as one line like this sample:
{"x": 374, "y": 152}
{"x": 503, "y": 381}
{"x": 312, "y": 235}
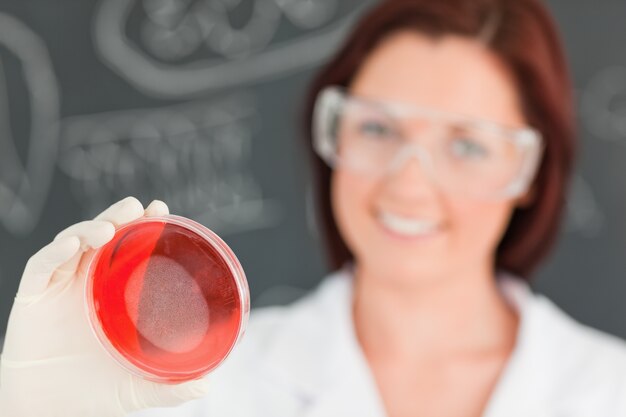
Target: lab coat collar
{"x": 326, "y": 369}
{"x": 522, "y": 386}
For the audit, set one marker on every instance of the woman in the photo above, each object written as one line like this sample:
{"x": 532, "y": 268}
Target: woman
{"x": 443, "y": 140}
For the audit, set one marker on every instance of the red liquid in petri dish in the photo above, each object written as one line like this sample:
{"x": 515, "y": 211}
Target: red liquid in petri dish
{"x": 169, "y": 297}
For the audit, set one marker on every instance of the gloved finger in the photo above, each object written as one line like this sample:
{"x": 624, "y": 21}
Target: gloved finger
{"x": 157, "y": 208}
{"x": 92, "y": 233}
{"x": 122, "y": 212}
{"x": 41, "y": 266}
{"x": 72, "y": 268}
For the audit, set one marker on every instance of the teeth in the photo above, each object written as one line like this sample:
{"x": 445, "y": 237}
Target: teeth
{"x": 407, "y": 226}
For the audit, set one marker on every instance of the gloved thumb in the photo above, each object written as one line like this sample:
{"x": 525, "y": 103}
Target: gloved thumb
{"x": 170, "y": 395}
{"x": 151, "y": 394}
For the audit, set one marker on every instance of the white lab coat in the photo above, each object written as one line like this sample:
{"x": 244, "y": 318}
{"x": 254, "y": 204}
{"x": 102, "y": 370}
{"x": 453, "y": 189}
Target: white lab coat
{"x": 304, "y": 360}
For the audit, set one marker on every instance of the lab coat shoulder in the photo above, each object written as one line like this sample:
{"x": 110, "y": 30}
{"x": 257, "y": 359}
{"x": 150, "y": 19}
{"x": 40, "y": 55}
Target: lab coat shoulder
{"x": 285, "y": 359}
{"x": 584, "y": 369}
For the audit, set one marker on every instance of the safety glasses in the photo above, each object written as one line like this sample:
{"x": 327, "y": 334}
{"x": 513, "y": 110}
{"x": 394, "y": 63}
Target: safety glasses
{"x": 461, "y": 154}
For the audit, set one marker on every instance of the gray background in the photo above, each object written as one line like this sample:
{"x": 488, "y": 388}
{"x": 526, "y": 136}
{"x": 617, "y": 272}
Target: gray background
{"x": 197, "y": 102}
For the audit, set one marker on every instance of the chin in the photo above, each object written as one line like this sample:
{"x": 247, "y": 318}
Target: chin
{"x": 407, "y": 272}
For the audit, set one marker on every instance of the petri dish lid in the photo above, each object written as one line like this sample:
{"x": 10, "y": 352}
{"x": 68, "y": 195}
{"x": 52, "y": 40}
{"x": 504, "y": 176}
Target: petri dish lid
{"x": 167, "y": 298}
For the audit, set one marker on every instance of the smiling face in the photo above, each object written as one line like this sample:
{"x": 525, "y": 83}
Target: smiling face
{"x": 403, "y": 226}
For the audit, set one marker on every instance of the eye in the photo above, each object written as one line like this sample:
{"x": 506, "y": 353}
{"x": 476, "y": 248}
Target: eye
{"x": 469, "y": 148}
{"x": 376, "y": 129}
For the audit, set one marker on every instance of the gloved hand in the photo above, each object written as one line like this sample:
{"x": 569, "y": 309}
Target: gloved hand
{"x": 52, "y": 364}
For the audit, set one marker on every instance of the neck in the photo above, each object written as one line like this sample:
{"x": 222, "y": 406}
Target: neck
{"x": 447, "y": 315}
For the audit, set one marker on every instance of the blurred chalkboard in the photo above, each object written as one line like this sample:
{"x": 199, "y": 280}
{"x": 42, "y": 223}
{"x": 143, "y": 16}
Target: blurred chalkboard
{"x": 196, "y": 102}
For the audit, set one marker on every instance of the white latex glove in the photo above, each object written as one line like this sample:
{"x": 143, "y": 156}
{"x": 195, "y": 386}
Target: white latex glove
{"x": 52, "y": 364}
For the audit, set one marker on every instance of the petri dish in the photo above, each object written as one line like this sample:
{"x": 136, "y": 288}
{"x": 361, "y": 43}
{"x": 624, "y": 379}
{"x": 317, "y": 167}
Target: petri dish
{"x": 167, "y": 298}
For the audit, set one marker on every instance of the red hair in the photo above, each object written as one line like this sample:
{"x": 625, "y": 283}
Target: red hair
{"x": 524, "y": 36}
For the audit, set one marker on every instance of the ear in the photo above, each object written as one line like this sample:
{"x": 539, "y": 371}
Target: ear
{"x": 526, "y": 199}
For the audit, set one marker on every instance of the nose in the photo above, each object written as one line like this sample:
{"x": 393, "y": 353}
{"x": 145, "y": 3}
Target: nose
{"x": 411, "y": 153}
{"x": 411, "y": 169}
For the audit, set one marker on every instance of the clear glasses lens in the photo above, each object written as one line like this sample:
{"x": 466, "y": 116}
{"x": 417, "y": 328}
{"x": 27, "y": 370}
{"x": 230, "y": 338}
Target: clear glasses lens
{"x": 463, "y": 155}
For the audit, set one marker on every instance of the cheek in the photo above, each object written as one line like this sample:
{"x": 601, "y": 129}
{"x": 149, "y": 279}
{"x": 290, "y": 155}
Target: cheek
{"x": 350, "y": 197}
{"x": 480, "y": 226}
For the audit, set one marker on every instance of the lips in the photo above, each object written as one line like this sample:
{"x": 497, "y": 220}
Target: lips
{"x": 408, "y": 226}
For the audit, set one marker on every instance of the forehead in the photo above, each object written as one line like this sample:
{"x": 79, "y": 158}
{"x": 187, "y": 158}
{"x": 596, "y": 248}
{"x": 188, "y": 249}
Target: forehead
{"x": 452, "y": 74}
